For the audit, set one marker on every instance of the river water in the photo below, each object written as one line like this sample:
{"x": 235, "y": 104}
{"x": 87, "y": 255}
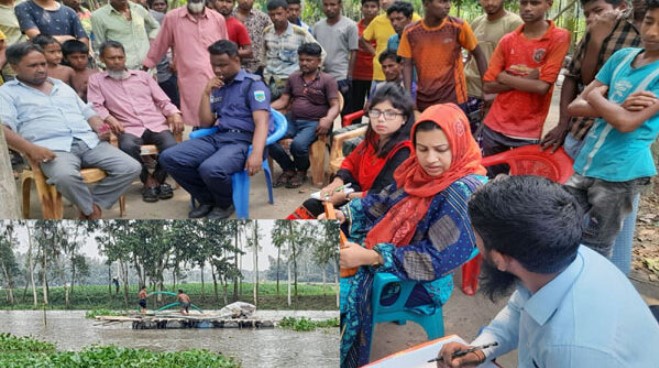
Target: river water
{"x": 272, "y": 347}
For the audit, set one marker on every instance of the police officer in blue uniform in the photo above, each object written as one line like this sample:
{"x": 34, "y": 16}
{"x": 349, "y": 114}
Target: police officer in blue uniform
{"x": 239, "y": 104}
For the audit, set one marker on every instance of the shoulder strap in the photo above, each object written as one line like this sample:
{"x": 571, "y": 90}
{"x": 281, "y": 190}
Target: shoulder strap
{"x": 246, "y": 89}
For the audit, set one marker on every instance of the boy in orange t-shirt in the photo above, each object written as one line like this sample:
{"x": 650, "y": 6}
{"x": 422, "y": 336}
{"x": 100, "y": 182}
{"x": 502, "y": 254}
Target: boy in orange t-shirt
{"x": 434, "y": 46}
{"x": 522, "y": 72}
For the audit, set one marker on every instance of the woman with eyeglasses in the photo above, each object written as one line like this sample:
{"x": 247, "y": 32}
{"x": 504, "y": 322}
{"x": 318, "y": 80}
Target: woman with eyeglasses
{"x": 417, "y": 228}
{"x": 370, "y": 166}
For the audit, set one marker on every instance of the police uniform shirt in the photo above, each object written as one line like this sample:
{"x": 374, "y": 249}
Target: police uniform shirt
{"x": 234, "y": 103}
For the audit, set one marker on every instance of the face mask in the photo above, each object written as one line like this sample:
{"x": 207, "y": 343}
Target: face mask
{"x": 118, "y": 75}
{"x": 196, "y": 8}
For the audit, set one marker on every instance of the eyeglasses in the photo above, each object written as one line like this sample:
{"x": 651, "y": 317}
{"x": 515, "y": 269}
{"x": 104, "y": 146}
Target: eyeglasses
{"x": 388, "y": 114}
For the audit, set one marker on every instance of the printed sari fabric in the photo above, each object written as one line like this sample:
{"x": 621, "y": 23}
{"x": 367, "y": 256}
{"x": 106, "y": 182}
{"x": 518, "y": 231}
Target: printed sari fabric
{"x": 443, "y": 241}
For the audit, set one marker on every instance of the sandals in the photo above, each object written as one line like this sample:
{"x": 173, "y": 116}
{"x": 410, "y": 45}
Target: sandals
{"x": 283, "y": 179}
{"x": 150, "y": 195}
{"x": 297, "y": 180}
{"x": 165, "y": 191}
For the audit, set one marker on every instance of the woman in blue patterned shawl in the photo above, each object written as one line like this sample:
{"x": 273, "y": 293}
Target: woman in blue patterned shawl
{"x": 416, "y": 228}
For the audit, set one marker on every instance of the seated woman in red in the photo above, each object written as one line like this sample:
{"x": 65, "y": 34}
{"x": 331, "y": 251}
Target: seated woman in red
{"x": 371, "y": 166}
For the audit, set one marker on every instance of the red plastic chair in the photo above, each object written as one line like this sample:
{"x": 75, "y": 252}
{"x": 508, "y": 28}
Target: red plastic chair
{"x": 348, "y": 119}
{"x": 527, "y": 160}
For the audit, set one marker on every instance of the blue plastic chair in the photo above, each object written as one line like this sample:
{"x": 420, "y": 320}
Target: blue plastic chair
{"x": 240, "y": 182}
{"x": 432, "y": 322}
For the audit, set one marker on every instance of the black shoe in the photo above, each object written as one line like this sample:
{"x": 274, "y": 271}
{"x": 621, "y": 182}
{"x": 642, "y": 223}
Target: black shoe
{"x": 150, "y": 195}
{"x": 165, "y": 191}
{"x": 201, "y": 211}
{"x": 221, "y": 213}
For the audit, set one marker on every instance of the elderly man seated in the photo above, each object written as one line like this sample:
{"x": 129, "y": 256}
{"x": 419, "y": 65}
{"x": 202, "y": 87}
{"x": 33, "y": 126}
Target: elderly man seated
{"x": 138, "y": 112}
{"x": 46, "y": 120}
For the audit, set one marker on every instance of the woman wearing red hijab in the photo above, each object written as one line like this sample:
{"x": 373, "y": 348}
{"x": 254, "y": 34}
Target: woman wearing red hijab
{"x": 417, "y": 228}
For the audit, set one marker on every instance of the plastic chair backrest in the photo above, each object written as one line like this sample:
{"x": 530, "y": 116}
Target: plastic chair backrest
{"x": 531, "y": 160}
{"x": 276, "y": 118}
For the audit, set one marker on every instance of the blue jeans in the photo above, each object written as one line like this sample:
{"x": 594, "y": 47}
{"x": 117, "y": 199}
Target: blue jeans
{"x": 572, "y": 145}
{"x": 303, "y": 133}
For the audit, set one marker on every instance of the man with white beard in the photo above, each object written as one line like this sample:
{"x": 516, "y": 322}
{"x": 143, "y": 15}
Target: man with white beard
{"x": 189, "y": 31}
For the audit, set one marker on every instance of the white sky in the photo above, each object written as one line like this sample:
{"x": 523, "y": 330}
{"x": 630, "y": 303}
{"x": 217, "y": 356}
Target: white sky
{"x": 90, "y": 249}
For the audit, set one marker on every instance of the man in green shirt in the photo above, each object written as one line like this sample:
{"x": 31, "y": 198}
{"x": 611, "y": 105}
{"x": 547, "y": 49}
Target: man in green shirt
{"x": 128, "y": 23}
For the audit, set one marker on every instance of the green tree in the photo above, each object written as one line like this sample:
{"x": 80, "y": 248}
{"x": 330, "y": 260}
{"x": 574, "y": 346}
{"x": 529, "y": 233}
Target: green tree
{"x": 8, "y": 265}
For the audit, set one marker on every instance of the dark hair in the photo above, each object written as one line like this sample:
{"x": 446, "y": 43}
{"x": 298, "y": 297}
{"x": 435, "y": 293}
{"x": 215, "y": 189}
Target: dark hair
{"x": 389, "y": 54}
{"x": 16, "y": 52}
{"x": 651, "y": 5}
{"x": 612, "y": 2}
{"x": 530, "y": 219}
{"x": 294, "y": 2}
{"x": 44, "y": 40}
{"x": 371, "y": 1}
{"x": 400, "y": 100}
{"x": 310, "y": 48}
{"x": 74, "y": 46}
{"x": 222, "y": 47}
{"x": 401, "y": 7}
{"x": 424, "y": 126}
{"x": 276, "y": 4}
{"x": 149, "y": 3}
{"x": 110, "y": 44}
{"x": 180, "y": 291}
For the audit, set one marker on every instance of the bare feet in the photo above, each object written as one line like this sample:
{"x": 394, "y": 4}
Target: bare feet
{"x": 96, "y": 214}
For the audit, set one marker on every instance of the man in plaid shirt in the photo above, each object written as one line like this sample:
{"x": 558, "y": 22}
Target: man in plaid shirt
{"x": 282, "y": 40}
{"x": 610, "y": 26}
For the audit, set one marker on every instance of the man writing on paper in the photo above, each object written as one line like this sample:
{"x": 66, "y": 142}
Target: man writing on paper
{"x": 572, "y": 307}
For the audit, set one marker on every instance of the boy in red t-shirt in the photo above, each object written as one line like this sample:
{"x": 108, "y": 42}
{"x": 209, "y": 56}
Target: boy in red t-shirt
{"x": 236, "y": 31}
{"x": 522, "y": 72}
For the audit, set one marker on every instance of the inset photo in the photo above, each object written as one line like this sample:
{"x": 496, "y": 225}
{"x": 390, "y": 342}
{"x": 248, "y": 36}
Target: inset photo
{"x": 169, "y": 293}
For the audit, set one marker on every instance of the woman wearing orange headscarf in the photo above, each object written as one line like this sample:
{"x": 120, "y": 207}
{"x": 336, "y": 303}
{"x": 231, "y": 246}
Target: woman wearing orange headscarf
{"x": 417, "y": 228}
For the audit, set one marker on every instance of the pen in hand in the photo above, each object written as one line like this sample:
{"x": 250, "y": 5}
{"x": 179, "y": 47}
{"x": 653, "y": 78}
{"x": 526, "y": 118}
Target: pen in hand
{"x": 461, "y": 353}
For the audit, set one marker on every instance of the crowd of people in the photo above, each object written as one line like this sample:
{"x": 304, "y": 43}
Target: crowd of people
{"x": 439, "y": 94}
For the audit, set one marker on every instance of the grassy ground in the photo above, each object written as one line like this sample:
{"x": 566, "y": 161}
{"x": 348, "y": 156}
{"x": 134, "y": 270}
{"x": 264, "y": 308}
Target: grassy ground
{"x": 311, "y": 297}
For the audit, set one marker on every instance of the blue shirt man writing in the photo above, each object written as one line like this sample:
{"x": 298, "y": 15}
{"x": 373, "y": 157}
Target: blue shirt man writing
{"x": 572, "y": 307}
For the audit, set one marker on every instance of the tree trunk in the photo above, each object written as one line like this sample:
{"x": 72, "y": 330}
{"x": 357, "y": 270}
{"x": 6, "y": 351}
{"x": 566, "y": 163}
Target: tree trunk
{"x": 202, "y": 282}
{"x": 235, "y": 262}
{"x": 295, "y": 270}
{"x": 288, "y": 271}
{"x": 278, "y": 260}
{"x": 110, "y": 278}
{"x": 215, "y": 291}
{"x": 8, "y": 196}
{"x": 124, "y": 276}
{"x": 256, "y": 263}
{"x": 44, "y": 277}
{"x": 30, "y": 261}
{"x": 10, "y": 284}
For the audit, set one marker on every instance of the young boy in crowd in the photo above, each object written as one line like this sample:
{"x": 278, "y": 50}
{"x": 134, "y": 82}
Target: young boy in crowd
{"x": 362, "y": 75}
{"x": 76, "y": 55}
{"x": 489, "y": 28}
{"x": 522, "y": 72}
{"x": 434, "y": 46}
{"x": 53, "y": 51}
{"x": 400, "y": 15}
{"x": 392, "y": 67}
{"x": 610, "y": 26}
{"x": 314, "y": 106}
{"x": 616, "y": 160}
